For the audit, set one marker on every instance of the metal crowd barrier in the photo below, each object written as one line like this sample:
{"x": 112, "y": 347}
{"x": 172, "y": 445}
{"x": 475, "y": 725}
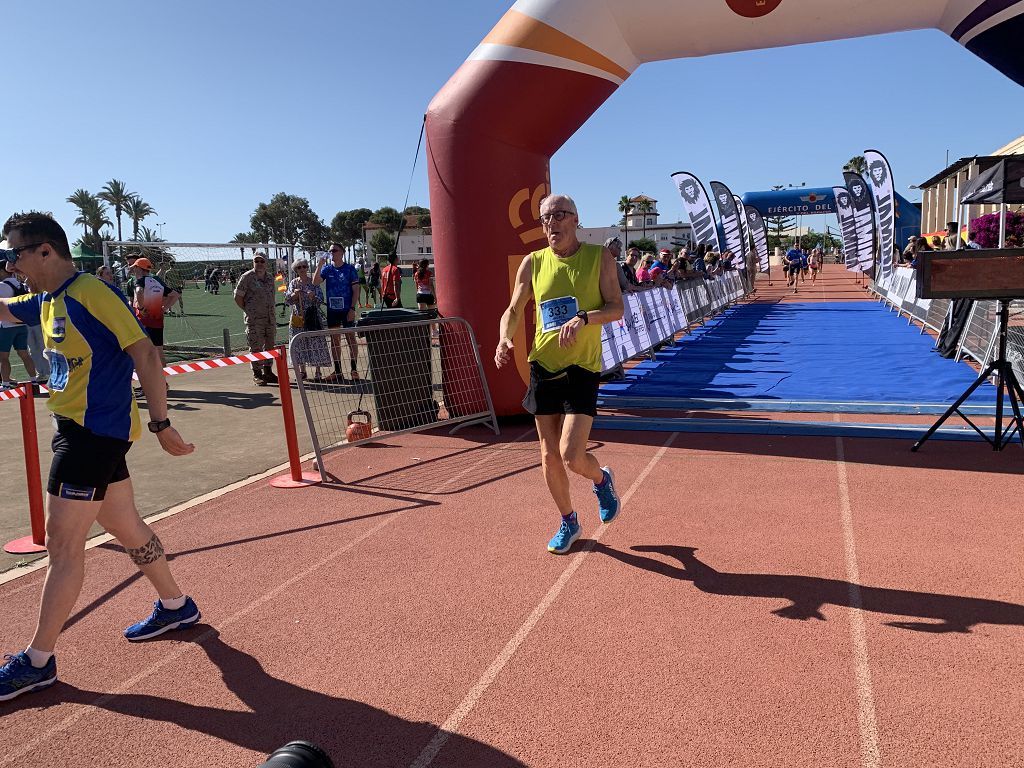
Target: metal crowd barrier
{"x": 936, "y": 315}
{"x": 1015, "y": 339}
{"x": 409, "y": 376}
{"x": 654, "y": 316}
{"x": 979, "y": 335}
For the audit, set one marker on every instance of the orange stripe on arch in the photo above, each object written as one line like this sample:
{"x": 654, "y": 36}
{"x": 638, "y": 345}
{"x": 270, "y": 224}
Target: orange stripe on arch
{"x": 521, "y": 31}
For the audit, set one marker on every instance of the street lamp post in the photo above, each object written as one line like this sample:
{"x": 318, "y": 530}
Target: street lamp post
{"x": 161, "y": 226}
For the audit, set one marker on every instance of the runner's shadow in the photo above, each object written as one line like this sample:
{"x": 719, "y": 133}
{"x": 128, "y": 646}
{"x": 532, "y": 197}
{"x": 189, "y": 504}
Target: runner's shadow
{"x": 244, "y": 400}
{"x": 808, "y": 594}
{"x": 276, "y": 711}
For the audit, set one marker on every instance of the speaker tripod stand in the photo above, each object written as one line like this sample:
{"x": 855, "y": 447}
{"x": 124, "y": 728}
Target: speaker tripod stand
{"x": 1006, "y": 382}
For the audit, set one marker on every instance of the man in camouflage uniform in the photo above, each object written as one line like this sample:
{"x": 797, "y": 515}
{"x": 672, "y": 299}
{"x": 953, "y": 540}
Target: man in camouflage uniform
{"x": 255, "y": 295}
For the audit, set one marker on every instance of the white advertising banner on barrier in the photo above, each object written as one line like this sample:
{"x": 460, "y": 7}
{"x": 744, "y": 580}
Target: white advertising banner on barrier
{"x": 674, "y": 299}
{"x": 624, "y": 338}
{"x": 656, "y": 316}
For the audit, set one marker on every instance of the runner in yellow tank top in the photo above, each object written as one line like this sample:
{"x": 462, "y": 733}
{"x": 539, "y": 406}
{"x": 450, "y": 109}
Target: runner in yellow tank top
{"x": 576, "y": 290}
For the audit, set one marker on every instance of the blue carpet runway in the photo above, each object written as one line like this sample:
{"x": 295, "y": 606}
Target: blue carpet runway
{"x": 831, "y": 353}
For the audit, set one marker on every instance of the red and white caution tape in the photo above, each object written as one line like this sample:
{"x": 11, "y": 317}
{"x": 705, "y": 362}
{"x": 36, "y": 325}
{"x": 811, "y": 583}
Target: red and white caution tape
{"x": 12, "y": 394}
{"x": 220, "y": 362}
{"x": 172, "y": 370}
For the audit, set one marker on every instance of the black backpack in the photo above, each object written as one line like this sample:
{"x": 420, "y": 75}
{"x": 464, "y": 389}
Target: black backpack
{"x": 16, "y": 286}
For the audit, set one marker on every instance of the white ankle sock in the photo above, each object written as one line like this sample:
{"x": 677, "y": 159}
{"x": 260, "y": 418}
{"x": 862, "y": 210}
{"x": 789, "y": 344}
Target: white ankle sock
{"x": 38, "y": 658}
{"x": 173, "y": 605}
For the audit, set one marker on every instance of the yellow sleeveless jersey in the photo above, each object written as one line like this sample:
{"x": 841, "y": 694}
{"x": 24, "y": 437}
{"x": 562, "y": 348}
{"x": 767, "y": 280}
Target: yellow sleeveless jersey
{"x": 561, "y": 288}
{"x": 86, "y": 327}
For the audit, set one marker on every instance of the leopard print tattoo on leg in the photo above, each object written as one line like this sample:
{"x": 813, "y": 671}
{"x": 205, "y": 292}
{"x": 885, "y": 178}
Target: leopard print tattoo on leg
{"x": 148, "y": 553}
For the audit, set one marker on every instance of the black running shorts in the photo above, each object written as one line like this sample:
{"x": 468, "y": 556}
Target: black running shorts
{"x": 339, "y": 319}
{"x": 156, "y": 335}
{"x": 85, "y": 463}
{"x": 571, "y": 390}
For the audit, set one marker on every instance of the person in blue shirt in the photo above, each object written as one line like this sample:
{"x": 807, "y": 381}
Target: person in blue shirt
{"x": 341, "y": 282}
{"x": 93, "y": 343}
{"x": 794, "y": 258}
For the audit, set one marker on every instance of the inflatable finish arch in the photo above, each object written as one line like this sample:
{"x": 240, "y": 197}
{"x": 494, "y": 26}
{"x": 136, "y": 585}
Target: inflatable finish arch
{"x": 549, "y": 64}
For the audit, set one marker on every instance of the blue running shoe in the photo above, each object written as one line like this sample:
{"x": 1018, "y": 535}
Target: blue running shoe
{"x": 163, "y": 620}
{"x": 568, "y": 532}
{"x": 18, "y": 676}
{"x": 607, "y": 498}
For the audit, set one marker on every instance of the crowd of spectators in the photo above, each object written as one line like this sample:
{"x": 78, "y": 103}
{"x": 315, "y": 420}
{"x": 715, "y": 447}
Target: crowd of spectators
{"x": 917, "y": 244}
{"x": 642, "y": 271}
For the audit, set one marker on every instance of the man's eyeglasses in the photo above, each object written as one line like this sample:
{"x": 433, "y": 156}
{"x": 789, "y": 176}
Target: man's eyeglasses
{"x": 301, "y": 269}
{"x": 546, "y": 218}
{"x": 10, "y": 255}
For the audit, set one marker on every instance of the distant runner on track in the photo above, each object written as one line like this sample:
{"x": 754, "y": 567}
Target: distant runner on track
{"x": 93, "y": 343}
{"x": 576, "y": 289}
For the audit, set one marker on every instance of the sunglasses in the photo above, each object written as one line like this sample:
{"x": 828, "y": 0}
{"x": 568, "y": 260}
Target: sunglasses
{"x": 10, "y": 255}
{"x": 259, "y": 261}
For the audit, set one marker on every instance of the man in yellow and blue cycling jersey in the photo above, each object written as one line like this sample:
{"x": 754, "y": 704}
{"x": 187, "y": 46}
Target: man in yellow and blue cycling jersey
{"x": 576, "y": 290}
{"x": 93, "y": 342}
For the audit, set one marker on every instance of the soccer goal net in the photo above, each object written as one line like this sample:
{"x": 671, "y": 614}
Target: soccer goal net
{"x": 205, "y": 322}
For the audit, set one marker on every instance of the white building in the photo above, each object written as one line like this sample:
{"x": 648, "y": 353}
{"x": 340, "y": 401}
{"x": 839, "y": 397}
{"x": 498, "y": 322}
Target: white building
{"x": 642, "y": 223}
{"x": 414, "y": 243}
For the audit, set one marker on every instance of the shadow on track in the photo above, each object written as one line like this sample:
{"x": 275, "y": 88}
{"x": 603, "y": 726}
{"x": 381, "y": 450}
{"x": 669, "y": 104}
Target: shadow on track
{"x": 808, "y": 595}
{"x": 277, "y": 711}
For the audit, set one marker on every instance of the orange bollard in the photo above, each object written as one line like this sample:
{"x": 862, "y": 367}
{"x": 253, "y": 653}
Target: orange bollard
{"x": 30, "y": 545}
{"x": 296, "y": 477}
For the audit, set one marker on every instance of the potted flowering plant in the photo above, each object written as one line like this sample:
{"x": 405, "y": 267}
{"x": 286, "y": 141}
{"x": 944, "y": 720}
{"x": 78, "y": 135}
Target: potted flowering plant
{"x": 986, "y": 229}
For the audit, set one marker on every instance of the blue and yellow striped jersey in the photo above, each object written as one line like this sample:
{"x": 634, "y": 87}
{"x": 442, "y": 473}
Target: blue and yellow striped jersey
{"x": 86, "y": 326}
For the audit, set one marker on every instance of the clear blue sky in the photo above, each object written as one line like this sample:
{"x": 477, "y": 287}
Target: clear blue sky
{"x": 207, "y": 109}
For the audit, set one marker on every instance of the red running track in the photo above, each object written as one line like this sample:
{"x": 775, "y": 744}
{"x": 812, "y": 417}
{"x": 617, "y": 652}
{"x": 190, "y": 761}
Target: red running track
{"x": 761, "y": 602}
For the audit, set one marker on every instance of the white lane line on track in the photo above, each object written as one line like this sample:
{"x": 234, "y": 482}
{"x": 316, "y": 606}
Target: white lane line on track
{"x": 869, "y": 750}
{"x": 451, "y": 724}
{"x": 14, "y": 756}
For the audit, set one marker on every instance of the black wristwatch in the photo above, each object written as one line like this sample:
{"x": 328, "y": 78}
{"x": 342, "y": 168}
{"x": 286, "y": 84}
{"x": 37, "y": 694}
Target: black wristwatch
{"x": 583, "y": 316}
{"x": 159, "y": 426}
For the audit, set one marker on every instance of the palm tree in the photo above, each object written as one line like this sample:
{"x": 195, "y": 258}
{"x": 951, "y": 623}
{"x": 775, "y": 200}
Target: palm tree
{"x": 137, "y": 210}
{"x": 116, "y": 193}
{"x": 624, "y": 208}
{"x": 94, "y": 218}
{"x": 856, "y": 164}
{"x": 84, "y": 201}
{"x": 644, "y": 207}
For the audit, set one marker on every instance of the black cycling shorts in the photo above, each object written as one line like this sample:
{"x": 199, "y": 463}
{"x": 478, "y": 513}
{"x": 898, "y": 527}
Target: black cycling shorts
{"x": 156, "y": 335}
{"x": 570, "y": 390}
{"x": 85, "y": 463}
{"x": 339, "y": 319}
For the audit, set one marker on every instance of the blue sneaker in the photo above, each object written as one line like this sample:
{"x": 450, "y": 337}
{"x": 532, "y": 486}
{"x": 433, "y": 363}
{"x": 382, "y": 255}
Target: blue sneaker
{"x": 18, "y": 676}
{"x": 607, "y": 498}
{"x": 163, "y": 620}
{"x": 568, "y": 532}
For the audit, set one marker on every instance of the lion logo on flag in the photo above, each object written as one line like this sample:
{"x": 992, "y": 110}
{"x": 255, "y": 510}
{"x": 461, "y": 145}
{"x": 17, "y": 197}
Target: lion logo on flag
{"x": 690, "y": 191}
{"x": 879, "y": 175}
{"x": 753, "y": 9}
